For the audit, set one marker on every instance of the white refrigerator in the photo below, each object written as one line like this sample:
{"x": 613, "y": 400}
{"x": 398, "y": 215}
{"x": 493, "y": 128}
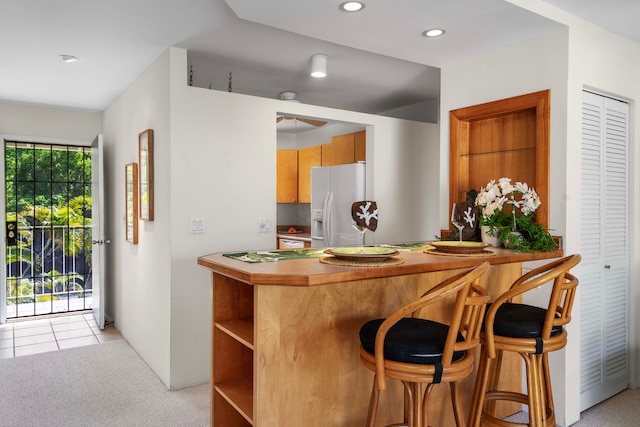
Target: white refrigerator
{"x": 333, "y": 191}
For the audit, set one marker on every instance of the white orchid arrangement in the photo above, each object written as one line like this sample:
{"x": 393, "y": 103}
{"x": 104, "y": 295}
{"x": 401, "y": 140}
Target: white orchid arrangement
{"x": 492, "y": 198}
{"x": 532, "y": 236}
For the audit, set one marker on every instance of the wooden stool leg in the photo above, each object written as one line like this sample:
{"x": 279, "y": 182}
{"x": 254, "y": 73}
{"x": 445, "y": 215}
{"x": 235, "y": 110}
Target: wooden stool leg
{"x": 550, "y": 414}
{"x": 373, "y": 404}
{"x": 539, "y": 397}
{"x": 417, "y": 406}
{"x": 494, "y": 378}
{"x": 455, "y": 402}
{"x": 479, "y": 389}
{"x": 409, "y": 398}
{"x": 535, "y": 389}
{"x": 425, "y": 407}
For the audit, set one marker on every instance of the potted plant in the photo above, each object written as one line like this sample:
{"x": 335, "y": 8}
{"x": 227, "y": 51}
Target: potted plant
{"x": 514, "y": 228}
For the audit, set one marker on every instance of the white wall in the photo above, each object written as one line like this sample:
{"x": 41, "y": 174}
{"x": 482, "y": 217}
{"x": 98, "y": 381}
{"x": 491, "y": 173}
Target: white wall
{"x": 532, "y": 66}
{"x": 236, "y": 163}
{"x": 49, "y": 123}
{"x": 215, "y": 155}
{"x": 139, "y": 283}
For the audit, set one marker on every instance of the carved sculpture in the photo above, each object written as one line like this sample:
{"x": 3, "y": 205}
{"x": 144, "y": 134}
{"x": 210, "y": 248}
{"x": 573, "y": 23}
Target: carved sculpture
{"x": 365, "y": 214}
{"x": 470, "y": 217}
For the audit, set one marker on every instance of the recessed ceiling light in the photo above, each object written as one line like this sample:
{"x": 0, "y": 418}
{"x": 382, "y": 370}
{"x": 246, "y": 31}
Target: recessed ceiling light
{"x": 69, "y": 58}
{"x": 352, "y": 6}
{"x": 434, "y": 32}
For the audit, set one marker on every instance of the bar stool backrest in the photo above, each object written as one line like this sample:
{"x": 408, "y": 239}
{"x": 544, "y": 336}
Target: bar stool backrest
{"x": 560, "y": 301}
{"x": 466, "y": 318}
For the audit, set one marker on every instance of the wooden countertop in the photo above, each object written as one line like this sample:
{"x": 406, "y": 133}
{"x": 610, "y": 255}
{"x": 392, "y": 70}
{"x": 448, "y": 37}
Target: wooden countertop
{"x": 311, "y": 272}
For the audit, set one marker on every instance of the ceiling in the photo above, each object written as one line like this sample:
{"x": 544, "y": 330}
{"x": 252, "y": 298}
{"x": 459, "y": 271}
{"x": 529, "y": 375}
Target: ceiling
{"x": 377, "y": 59}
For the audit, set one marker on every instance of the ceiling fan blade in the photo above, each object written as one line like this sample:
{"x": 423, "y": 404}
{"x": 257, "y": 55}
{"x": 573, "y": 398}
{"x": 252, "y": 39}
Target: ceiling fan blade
{"x": 316, "y": 123}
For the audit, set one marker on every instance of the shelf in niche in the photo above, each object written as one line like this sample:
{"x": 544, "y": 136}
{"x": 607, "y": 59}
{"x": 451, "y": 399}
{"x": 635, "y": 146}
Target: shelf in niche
{"x": 490, "y": 153}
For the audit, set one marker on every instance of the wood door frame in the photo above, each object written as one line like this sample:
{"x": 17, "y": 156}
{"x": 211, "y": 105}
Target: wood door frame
{"x": 459, "y": 123}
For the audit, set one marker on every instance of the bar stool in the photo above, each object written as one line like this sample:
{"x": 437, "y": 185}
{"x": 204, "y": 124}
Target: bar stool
{"x": 418, "y": 351}
{"x": 530, "y": 331}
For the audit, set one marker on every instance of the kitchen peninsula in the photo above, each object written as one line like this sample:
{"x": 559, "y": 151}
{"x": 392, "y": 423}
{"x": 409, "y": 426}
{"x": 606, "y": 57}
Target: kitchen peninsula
{"x": 285, "y": 347}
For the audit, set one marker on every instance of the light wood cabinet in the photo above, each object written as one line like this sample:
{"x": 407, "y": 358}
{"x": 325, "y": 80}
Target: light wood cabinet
{"x": 340, "y": 151}
{"x": 307, "y": 158}
{"x": 345, "y": 149}
{"x": 294, "y": 166}
{"x": 360, "y": 146}
{"x": 287, "y": 176}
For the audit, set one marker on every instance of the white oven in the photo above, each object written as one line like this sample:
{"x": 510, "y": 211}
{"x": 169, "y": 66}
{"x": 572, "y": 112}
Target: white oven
{"x": 291, "y": 244}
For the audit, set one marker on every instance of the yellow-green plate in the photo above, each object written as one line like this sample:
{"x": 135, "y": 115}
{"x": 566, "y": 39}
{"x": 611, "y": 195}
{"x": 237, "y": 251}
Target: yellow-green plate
{"x": 370, "y": 253}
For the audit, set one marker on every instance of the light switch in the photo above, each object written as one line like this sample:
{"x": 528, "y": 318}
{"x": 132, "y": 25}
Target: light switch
{"x": 196, "y": 226}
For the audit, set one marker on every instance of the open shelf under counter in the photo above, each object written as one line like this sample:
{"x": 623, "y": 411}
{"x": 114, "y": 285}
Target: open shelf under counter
{"x": 240, "y": 329}
{"x": 238, "y": 394}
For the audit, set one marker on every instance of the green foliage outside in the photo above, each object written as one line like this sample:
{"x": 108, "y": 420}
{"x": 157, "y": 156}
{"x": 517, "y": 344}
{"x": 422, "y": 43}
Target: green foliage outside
{"x": 45, "y": 177}
{"x": 48, "y": 195}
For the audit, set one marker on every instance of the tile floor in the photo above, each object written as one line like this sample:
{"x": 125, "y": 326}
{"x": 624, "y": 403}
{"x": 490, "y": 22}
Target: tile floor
{"x": 20, "y": 338}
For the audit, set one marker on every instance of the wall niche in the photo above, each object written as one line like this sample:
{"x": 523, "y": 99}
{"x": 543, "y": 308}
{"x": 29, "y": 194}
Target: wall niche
{"x": 505, "y": 138}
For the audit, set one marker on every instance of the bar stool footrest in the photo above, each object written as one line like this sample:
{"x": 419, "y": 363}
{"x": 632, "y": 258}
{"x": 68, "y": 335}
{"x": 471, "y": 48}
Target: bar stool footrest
{"x": 512, "y": 396}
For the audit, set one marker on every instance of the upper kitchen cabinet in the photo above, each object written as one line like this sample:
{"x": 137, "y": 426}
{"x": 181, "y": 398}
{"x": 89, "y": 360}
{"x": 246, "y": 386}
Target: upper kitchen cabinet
{"x": 287, "y": 176}
{"x": 294, "y": 166}
{"x": 307, "y": 158}
{"x": 360, "y": 146}
{"x": 344, "y": 149}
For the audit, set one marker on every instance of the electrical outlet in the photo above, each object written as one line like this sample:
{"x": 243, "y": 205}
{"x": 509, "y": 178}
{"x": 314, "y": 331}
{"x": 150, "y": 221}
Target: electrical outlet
{"x": 264, "y": 225}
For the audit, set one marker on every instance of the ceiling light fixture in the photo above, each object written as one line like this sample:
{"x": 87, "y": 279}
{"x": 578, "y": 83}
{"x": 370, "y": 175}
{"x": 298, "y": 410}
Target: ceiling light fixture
{"x": 69, "y": 58}
{"x": 288, "y": 95}
{"x": 319, "y": 65}
{"x": 352, "y": 6}
{"x": 434, "y": 32}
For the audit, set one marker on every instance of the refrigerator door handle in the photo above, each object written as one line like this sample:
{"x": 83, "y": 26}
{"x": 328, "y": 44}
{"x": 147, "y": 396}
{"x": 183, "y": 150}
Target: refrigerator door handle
{"x": 327, "y": 219}
{"x": 325, "y": 224}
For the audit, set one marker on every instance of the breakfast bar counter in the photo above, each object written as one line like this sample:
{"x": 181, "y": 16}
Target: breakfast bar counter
{"x": 285, "y": 347}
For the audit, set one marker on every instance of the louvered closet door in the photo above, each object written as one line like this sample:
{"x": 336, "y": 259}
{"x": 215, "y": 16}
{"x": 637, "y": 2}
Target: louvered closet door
{"x": 604, "y": 270}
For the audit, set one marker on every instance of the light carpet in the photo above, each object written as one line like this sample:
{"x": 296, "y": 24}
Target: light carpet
{"x": 98, "y": 385}
{"x": 621, "y": 410}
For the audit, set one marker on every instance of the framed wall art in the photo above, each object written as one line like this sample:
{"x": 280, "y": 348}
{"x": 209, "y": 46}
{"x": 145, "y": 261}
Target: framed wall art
{"x": 131, "y": 203}
{"x": 145, "y": 161}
